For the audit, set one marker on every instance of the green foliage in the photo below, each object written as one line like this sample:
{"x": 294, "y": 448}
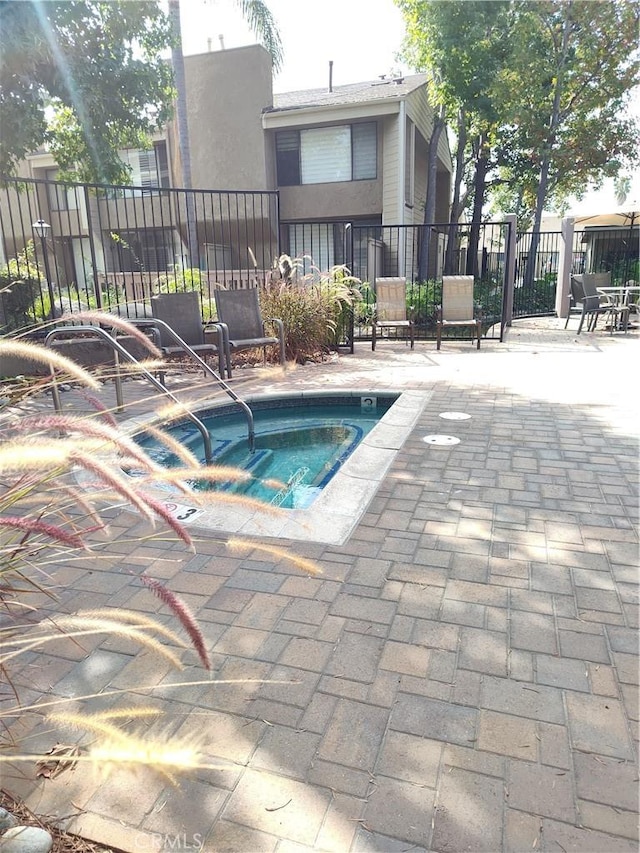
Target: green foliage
{"x": 537, "y": 297}
{"x": 537, "y": 89}
{"x": 423, "y": 300}
{"x": 572, "y": 69}
{"x": 262, "y": 23}
{"x": 96, "y": 69}
{"x": 179, "y": 279}
{"x": 21, "y": 282}
{"x": 463, "y": 47}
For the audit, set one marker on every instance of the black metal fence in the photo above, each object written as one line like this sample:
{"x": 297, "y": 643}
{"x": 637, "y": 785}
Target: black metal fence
{"x": 609, "y": 249}
{"x": 534, "y": 287}
{"x": 72, "y": 246}
{"x": 613, "y": 249}
{"x": 66, "y": 246}
{"x": 420, "y": 253}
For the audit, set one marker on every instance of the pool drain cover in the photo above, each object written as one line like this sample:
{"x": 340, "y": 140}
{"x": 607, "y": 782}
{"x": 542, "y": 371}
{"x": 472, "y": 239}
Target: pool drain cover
{"x": 441, "y": 440}
{"x": 455, "y": 416}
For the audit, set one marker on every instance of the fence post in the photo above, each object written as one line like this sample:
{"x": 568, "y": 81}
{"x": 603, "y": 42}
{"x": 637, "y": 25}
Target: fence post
{"x": 564, "y": 266}
{"x": 93, "y": 215}
{"x": 509, "y": 268}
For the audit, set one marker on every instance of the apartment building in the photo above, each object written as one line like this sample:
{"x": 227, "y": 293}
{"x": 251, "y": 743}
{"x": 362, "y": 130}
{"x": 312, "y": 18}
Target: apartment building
{"x": 287, "y": 172}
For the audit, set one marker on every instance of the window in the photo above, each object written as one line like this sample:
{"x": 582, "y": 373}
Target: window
{"x": 141, "y": 251}
{"x": 61, "y": 196}
{"x": 313, "y": 243}
{"x": 364, "y": 143}
{"x": 288, "y": 158}
{"x": 323, "y": 155}
{"x": 149, "y": 169}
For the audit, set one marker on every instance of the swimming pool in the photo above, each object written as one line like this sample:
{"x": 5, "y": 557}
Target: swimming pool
{"x": 335, "y": 509}
{"x": 300, "y": 444}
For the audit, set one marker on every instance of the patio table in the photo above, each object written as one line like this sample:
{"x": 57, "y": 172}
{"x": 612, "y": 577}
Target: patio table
{"x": 619, "y": 298}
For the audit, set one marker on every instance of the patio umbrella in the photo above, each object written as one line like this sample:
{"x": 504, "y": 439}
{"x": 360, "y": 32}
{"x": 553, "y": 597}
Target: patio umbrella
{"x": 617, "y": 218}
{"x": 621, "y": 219}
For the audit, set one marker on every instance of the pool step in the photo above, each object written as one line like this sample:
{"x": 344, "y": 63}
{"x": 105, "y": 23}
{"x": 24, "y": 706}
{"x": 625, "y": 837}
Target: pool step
{"x": 255, "y": 463}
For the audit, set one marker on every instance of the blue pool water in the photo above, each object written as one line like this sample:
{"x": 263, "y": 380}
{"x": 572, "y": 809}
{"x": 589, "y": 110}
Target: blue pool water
{"x": 300, "y": 443}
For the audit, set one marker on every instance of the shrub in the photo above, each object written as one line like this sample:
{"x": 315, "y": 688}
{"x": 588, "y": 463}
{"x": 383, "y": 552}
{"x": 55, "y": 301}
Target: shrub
{"x": 21, "y": 284}
{"x": 178, "y": 280}
{"x": 315, "y": 308}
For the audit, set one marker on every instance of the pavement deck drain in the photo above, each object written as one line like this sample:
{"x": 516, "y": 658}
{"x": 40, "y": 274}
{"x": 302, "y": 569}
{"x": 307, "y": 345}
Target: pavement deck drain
{"x": 441, "y": 440}
{"x": 454, "y": 416}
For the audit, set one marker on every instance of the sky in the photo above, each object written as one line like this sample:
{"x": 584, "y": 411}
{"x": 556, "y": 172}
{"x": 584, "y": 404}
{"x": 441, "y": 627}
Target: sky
{"x": 361, "y": 37}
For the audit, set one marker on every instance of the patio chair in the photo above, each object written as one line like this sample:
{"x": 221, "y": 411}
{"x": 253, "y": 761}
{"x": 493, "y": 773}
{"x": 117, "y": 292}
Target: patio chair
{"x": 594, "y": 303}
{"x": 457, "y": 306}
{"x": 391, "y": 308}
{"x": 182, "y": 312}
{"x": 244, "y": 326}
{"x": 576, "y": 298}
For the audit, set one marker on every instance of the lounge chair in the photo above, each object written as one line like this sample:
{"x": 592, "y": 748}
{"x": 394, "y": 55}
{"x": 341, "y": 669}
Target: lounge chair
{"x": 244, "y": 326}
{"x": 182, "y": 312}
{"x": 457, "y": 306}
{"x": 391, "y": 308}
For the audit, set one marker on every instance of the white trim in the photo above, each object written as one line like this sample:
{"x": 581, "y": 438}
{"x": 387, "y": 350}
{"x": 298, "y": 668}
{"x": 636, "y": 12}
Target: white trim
{"x": 330, "y": 114}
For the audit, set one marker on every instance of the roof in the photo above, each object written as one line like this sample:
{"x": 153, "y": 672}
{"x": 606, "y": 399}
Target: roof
{"x": 353, "y": 93}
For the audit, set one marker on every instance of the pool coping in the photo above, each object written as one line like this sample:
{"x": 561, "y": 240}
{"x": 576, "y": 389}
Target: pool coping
{"x": 335, "y": 513}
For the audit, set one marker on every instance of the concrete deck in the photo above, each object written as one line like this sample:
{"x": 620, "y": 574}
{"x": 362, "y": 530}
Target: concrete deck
{"x": 462, "y": 676}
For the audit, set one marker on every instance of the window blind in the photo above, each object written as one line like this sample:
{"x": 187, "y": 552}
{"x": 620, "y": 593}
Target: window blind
{"x": 325, "y": 155}
{"x": 364, "y": 143}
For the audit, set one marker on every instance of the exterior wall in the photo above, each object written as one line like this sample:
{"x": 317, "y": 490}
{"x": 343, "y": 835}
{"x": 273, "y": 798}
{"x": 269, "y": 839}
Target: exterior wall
{"x": 443, "y": 195}
{"x": 340, "y": 200}
{"x": 420, "y": 111}
{"x": 347, "y": 200}
{"x": 226, "y": 93}
{"x": 415, "y": 214}
{"x": 391, "y": 163}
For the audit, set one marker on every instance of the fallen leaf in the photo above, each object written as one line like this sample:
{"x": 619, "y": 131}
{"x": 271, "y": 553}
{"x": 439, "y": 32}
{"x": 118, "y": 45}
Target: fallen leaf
{"x": 62, "y": 758}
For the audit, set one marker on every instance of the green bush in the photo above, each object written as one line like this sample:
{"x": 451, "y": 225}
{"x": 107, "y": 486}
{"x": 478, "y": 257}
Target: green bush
{"x": 21, "y": 283}
{"x": 178, "y": 280}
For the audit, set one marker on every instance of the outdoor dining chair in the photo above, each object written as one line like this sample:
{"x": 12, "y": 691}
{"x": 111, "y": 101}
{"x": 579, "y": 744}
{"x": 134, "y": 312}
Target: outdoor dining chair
{"x": 244, "y": 326}
{"x": 457, "y": 306}
{"x": 594, "y": 304}
{"x": 182, "y": 312}
{"x": 391, "y": 308}
{"x": 576, "y": 298}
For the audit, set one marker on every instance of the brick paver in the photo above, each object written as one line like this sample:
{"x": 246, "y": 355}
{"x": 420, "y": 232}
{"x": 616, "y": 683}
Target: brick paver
{"x": 463, "y": 676}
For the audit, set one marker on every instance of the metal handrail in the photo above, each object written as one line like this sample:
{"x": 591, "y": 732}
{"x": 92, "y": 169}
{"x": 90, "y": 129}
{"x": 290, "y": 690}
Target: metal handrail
{"x": 120, "y": 350}
{"x": 156, "y": 323}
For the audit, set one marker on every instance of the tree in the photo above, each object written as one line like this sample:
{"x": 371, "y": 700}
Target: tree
{"x": 573, "y": 65}
{"x": 537, "y": 88}
{"x": 85, "y": 77}
{"x": 461, "y": 46}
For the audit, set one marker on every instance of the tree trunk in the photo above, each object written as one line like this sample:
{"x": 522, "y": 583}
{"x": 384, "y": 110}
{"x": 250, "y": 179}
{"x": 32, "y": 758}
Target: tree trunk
{"x": 430, "y": 201}
{"x": 479, "y": 188}
{"x": 456, "y": 205}
{"x": 545, "y": 163}
{"x": 177, "y": 60}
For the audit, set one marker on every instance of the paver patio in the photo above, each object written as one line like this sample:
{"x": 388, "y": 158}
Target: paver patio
{"x": 464, "y": 673}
